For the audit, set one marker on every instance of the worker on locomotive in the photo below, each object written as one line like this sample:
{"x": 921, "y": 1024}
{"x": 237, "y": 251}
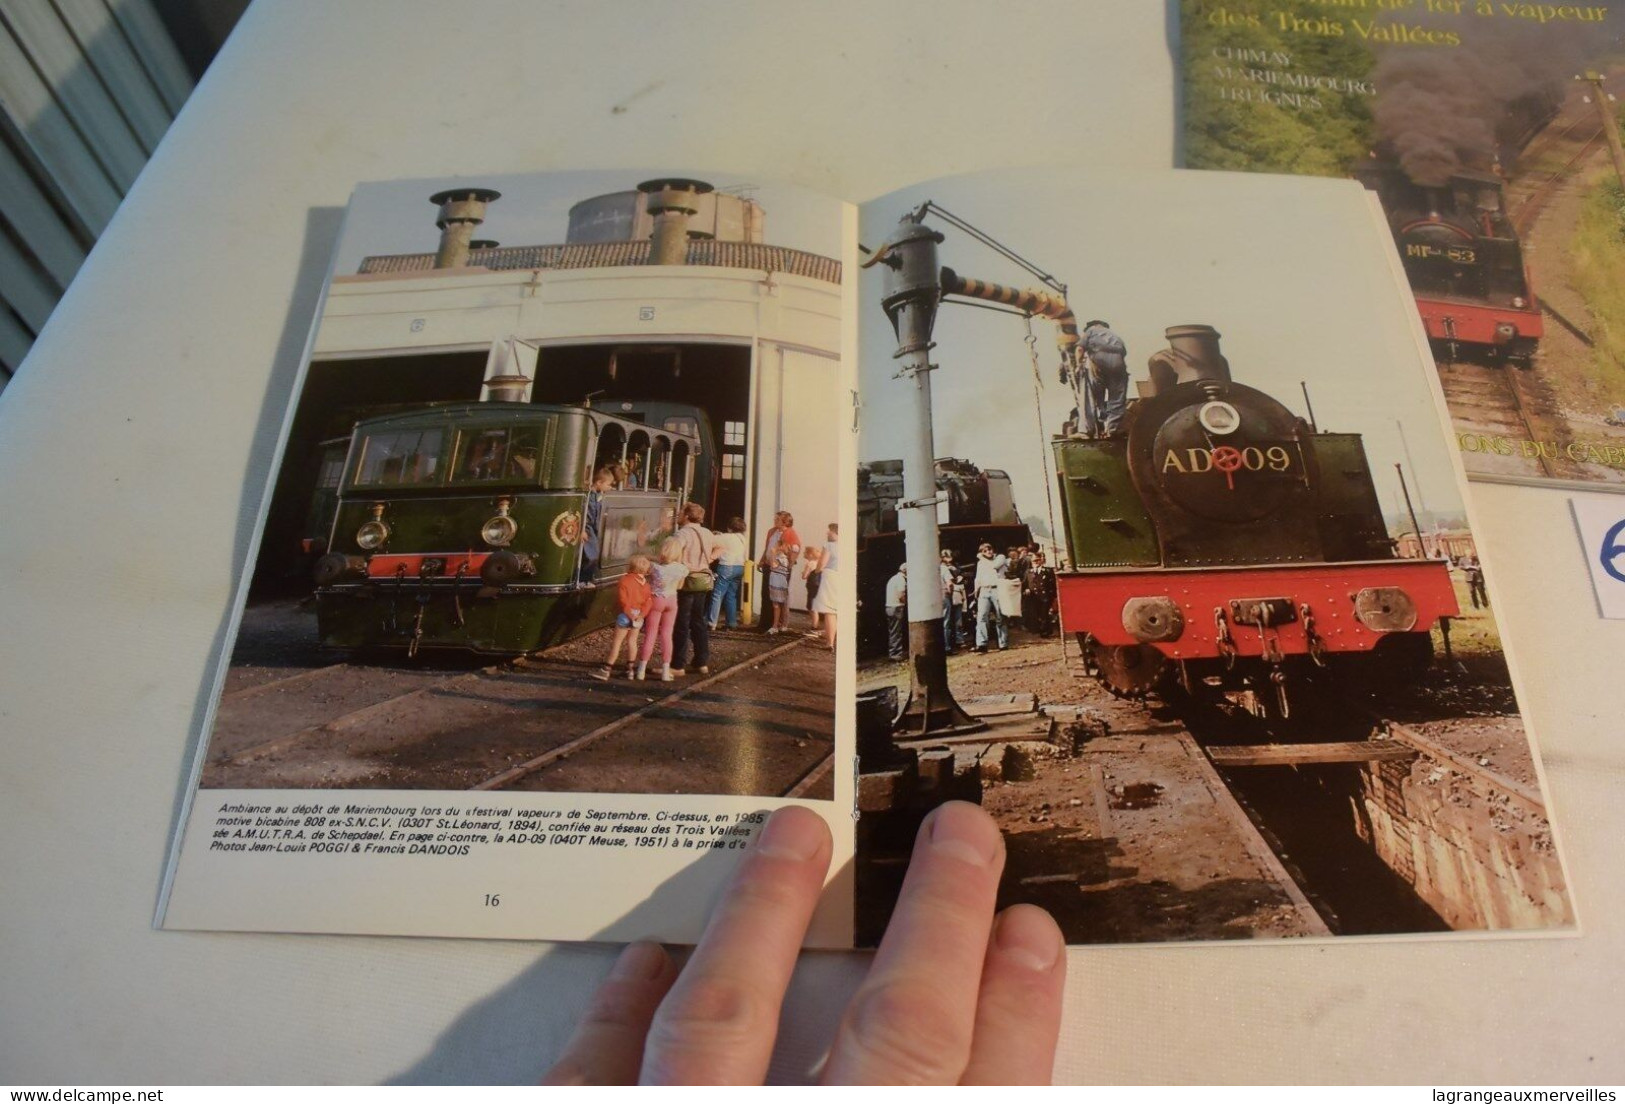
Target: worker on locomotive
{"x": 1105, "y": 378}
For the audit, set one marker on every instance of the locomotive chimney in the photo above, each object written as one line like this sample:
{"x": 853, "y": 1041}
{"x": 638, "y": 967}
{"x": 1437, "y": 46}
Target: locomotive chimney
{"x": 461, "y": 210}
{"x": 1192, "y": 354}
{"x": 672, "y": 202}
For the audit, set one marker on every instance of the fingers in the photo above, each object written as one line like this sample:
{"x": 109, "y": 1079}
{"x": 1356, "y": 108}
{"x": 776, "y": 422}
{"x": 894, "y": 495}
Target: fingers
{"x": 607, "y": 1047}
{"x": 913, "y": 1019}
{"x": 718, "y": 1023}
{"x": 1018, "y": 1012}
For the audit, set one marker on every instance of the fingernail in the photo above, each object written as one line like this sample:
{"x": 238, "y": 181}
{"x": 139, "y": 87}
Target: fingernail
{"x": 639, "y": 962}
{"x": 1028, "y": 938}
{"x": 791, "y": 833}
{"x": 965, "y": 833}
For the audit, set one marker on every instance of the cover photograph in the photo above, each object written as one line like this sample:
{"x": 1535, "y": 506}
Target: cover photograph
{"x": 1490, "y": 133}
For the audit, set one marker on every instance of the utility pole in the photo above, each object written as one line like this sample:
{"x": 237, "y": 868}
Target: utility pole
{"x": 1405, "y": 446}
{"x": 1416, "y": 525}
{"x": 1610, "y": 126}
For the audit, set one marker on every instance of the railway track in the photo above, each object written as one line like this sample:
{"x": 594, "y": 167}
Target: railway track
{"x": 1487, "y": 398}
{"x": 553, "y": 755}
{"x": 523, "y": 724}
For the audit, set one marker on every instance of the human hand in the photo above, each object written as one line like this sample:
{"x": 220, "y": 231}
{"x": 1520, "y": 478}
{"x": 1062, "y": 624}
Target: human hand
{"x": 955, "y": 995}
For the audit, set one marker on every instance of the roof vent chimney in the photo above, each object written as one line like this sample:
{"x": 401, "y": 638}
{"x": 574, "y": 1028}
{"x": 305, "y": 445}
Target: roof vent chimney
{"x": 672, "y": 203}
{"x": 461, "y": 210}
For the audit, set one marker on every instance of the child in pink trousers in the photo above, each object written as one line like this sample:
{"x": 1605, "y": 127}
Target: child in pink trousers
{"x": 665, "y": 580}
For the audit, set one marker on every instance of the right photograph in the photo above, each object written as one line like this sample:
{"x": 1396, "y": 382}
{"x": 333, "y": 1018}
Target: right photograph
{"x": 1163, "y": 559}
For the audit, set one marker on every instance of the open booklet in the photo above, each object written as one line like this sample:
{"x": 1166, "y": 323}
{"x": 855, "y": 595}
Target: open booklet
{"x": 692, "y": 497}
{"x": 1490, "y": 133}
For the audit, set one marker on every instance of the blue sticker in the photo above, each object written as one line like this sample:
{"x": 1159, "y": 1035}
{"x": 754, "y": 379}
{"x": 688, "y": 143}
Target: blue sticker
{"x": 1612, "y": 549}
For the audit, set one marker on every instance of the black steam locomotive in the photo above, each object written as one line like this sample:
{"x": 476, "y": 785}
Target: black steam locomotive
{"x": 1464, "y": 261}
{"x": 1223, "y": 540}
{"x": 977, "y": 506}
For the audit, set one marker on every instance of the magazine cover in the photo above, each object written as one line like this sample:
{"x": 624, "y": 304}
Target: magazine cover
{"x": 1490, "y": 133}
{"x": 542, "y": 620}
{"x": 1163, "y": 557}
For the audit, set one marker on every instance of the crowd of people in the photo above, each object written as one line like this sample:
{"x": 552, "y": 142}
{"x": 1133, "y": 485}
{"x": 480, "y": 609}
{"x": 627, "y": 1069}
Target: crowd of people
{"x": 972, "y": 613}
{"x": 695, "y": 586}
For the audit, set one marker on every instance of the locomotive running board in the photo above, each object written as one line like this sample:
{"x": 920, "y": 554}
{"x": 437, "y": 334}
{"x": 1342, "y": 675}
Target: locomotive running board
{"x": 1295, "y": 755}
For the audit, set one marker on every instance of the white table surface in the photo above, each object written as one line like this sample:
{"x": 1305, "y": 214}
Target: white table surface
{"x": 134, "y": 448}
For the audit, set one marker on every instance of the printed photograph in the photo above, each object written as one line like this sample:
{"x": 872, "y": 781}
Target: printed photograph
{"x": 557, "y": 509}
{"x": 1163, "y": 559}
{"x": 1491, "y": 134}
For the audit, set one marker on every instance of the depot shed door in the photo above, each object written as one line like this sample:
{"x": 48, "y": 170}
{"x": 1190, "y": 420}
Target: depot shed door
{"x": 799, "y": 443}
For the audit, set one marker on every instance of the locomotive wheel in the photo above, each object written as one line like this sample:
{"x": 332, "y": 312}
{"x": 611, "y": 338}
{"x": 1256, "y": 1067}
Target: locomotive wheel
{"x": 1403, "y": 657}
{"x": 1130, "y": 670}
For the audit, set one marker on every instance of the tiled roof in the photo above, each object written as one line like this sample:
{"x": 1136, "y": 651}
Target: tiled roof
{"x": 703, "y": 251}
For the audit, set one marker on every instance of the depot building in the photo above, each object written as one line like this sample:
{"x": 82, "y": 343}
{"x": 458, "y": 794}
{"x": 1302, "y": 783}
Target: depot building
{"x": 663, "y": 295}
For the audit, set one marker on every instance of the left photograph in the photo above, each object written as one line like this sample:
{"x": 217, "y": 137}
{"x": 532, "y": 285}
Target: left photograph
{"x": 558, "y": 509}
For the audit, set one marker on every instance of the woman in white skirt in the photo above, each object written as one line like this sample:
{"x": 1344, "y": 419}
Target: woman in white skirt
{"x": 823, "y": 604}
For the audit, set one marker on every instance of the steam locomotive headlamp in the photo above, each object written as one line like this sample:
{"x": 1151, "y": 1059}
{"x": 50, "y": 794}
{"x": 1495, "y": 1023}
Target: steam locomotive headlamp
{"x": 1219, "y": 418}
{"x": 1520, "y": 302}
{"x": 374, "y": 533}
{"x": 501, "y": 529}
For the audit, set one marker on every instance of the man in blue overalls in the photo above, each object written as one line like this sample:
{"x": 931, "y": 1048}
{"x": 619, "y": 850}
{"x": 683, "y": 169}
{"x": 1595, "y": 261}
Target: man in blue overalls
{"x": 1106, "y": 378}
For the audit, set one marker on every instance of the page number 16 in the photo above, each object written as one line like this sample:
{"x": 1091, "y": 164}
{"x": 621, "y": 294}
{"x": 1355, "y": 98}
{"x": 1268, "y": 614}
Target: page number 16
{"x": 493, "y": 900}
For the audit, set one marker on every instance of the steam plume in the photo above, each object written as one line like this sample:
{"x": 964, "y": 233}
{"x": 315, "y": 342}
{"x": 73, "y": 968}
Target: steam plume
{"x": 1442, "y": 109}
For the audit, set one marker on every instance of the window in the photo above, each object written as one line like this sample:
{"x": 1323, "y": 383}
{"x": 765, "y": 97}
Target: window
{"x": 637, "y": 460}
{"x": 332, "y": 469}
{"x": 733, "y": 465}
{"x": 733, "y": 433}
{"x": 611, "y": 446}
{"x": 406, "y": 456}
{"x": 679, "y": 466}
{"x": 686, "y": 425}
{"x": 501, "y": 454}
{"x": 659, "y": 465}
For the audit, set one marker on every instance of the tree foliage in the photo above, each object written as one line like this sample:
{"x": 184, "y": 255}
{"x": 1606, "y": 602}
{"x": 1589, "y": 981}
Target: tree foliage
{"x": 1225, "y": 133}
